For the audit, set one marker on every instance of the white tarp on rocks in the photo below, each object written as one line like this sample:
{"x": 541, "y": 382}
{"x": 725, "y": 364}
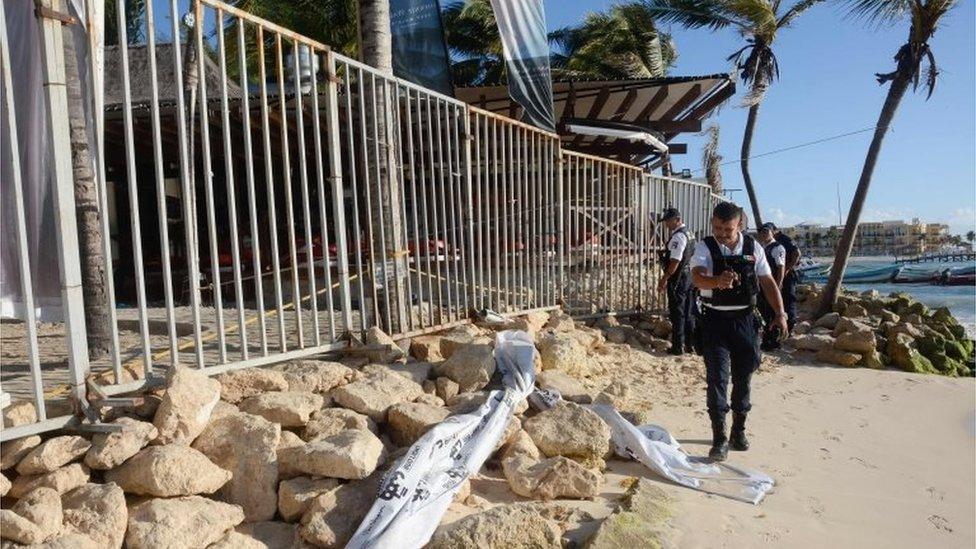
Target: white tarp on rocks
{"x": 417, "y": 490}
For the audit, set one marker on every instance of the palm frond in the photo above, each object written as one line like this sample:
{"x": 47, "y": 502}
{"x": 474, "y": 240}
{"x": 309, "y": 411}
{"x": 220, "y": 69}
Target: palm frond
{"x": 795, "y": 11}
{"x": 693, "y": 14}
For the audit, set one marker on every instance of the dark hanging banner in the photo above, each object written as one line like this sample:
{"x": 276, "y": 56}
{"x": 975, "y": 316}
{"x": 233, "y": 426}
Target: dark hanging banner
{"x": 522, "y": 26}
{"x": 419, "y": 50}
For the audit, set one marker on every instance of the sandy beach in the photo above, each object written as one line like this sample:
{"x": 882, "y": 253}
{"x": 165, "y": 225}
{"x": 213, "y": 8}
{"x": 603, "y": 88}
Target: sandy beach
{"x": 862, "y": 458}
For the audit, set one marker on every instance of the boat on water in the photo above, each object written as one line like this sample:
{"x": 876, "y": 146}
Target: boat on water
{"x": 960, "y": 276}
{"x": 916, "y": 275}
{"x": 864, "y": 276}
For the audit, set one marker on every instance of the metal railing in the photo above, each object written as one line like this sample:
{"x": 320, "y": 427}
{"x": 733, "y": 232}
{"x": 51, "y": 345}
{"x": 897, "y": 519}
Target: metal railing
{"x": 273, "y": 200}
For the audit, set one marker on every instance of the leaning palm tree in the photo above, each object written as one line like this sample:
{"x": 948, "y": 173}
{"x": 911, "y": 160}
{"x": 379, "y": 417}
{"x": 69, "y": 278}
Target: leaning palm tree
{"x": 913, "y": 61}
{"x": 711, "y": 159}
{"x": 970, "y": 236}
{"x": 759, "y": 21}
{"x": 619, "y": 43}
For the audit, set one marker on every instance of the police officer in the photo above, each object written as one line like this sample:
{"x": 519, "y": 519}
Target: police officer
{"x": 677, "y": 280}
{"x": 788, "y": 290}
{"x": 730, "y": 270}
{"x": 776, "y": 257}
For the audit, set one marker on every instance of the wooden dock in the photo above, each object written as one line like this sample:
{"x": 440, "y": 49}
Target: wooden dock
{"x": 939, "y": 258}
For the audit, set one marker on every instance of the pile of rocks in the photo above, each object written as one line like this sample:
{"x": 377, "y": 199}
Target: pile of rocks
{"x": 869, "y": 330}
{"x": 292, "y": 455}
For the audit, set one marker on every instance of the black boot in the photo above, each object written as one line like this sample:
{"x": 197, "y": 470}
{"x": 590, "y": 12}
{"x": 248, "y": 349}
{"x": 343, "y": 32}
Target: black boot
{"x": 738, "y": 439}
{"x": 720, "y": 442}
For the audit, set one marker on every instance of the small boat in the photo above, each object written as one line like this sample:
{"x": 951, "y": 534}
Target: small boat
{"x": 909, "y": 275}
{"x": 867, "y": 276}
{"x": 960, "y": 276}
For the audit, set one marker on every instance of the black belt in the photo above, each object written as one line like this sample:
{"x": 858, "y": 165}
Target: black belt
{"x": 717, "y": 313}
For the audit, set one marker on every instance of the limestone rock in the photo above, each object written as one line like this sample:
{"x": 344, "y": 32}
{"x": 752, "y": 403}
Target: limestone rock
{"x": 295, "y": 495}
{"x": 427, "y": 347}
{"x": 11, "y": 452}
{"x": 446, "y": 388}
{"x": 430, "y": 399}
{"x": 333, "y": 517}
{"x": 812, "y": 342}
{"x": 189, "y": 400}
{"x": 456, "y": 338}
{"x": 4, "y": 485}
{"x": 845, "y": 325}
{"x": 512, "y": 525}
{"x": 289, "y": 440}
{"x": 246, "y": 445}
{"x": 468, "y": 402}
{"x": 235, "y": 540}
{"x": 557, "y": 477}
{"x": 273, "y": 534}
{"x": 98, "y": 512}
{"x": 471, "y": 367}
{"x": 641, "y": 521}
{"x": 241, "y": 384}
{"x": 802, "y": 327}
{"x": 288, "y": 408}
{"x": 828, "y": 321}
{"x": 568, "y": 387}
{"x": 889, "y": 316}
{"x": 855, "y": 310}
{"x": 570, "y": 430}
{"x": 317, "y": 376}
{"x": 52, "y": 454}
{"x": 110, "y": 450}
{"x": 349, "y": 454}
{"x": 861, "y": 341}
{"x": 873, "y": 360}
{"x": 373, "y": 395}
{"x": 167, "y": 471}
{"x": 562, "y": 352}
{"x": 417, "y": 372}
{"x": 20, "y": 412}
{"x": 35, "y": 518}
{"x": 520, "y": 444}
{"x": 329, "y": 421}
{"x": 588, "y": 338}
{"x": 901, "y": 349}
{"x": 222, "y": 410}
{"x": 410, "y": 420}
{"x": 838, "y": 357}
{"x": 60, "y": 480}
{"x": 70, "y": 541}
{"x": 559, "y": 321}
{"x": 386, "y": 349}
{"x": 191, "y": 521}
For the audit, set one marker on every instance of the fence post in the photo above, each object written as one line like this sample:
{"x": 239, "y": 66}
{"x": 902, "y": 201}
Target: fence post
{"x": 66, "y": 225}
{"x": 563, "y": 238}
{"x": 473, "y": 287}
{"x": 338, "y": 194}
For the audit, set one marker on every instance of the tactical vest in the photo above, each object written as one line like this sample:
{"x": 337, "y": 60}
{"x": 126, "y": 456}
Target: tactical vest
{"x": 689, "y": 249}
{"x": 744, "y": 293}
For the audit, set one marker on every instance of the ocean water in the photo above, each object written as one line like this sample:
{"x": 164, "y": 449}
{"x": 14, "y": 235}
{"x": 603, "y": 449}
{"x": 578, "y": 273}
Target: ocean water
{"x": 961, "y": 300}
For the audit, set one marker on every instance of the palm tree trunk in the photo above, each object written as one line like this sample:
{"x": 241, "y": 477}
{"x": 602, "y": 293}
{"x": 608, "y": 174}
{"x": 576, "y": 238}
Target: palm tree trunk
{"x": 377, "y": 51}
{"x": 86, "y": 206}
{"x": 744, "y": 161}
{"x": 895, "y": 93}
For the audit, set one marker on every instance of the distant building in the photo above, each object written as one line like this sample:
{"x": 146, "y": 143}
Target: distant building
{"x": 873, "y": 238}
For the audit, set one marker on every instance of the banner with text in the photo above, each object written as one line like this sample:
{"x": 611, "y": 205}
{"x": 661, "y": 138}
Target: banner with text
{"x": 419, "y": 50}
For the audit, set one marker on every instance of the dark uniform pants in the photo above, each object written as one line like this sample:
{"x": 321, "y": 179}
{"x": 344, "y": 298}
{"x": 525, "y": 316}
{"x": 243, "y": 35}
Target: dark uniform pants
{"x": 680, "y": 310}
{"x": 789, "y": 298}
{"x": 731, "y": 350}
{"x": 770, "y": 340}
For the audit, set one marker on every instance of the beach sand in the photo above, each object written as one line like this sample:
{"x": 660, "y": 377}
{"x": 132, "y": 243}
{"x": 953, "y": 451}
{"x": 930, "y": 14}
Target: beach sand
{"x": 862, "y": 458}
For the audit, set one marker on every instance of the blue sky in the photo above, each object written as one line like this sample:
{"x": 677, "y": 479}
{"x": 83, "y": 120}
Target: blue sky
{"x": 827, "y": 63}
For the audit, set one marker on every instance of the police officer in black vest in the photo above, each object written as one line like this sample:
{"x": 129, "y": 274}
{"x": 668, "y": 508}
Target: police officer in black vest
{"x": 776, "y": 257}
{"x": 677, "y": 279}
{"x": 788, "y": 290}
{"x": 730, "y": 270}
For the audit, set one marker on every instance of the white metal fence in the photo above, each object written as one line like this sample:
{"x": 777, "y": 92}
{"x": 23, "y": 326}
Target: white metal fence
{"x": 263, "y": 198}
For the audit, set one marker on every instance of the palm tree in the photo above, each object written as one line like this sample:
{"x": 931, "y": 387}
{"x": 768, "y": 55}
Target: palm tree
{"x": 924, "y": 17}
{"x": 331, "y": 22}
{"x": 970, "y": 236}
{"x": 473, "y": 39}
{"x": 711, "y": 160}
{"x": 759, "y": 21}
{"x": 620, "y": 43}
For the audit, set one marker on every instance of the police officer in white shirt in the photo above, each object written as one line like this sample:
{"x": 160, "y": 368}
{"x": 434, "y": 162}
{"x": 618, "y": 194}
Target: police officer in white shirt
{"x": 677, "y": 280}
{"x": 776, "y": 257}
{"x": 730, "y": 270}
